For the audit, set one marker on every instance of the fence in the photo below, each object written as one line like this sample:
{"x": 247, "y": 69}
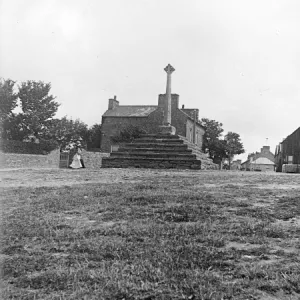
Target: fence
{"x": 64, "y": 160}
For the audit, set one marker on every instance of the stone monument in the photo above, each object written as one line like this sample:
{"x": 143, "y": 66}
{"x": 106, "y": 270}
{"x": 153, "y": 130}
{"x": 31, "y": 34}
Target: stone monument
{"x": 167, "y": 128}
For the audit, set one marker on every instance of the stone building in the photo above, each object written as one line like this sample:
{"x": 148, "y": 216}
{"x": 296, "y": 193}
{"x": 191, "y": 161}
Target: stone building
{"x": 236, "y": 165}
{"x": 150, "y": 118}
{"x": 260, "y": 161}
{"x": 172, "y": 139}
{"x": 287, "y": 153}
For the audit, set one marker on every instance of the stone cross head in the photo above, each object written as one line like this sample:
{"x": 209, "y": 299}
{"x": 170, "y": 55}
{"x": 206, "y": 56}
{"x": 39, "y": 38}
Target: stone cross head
{"x": 169, "y": 69}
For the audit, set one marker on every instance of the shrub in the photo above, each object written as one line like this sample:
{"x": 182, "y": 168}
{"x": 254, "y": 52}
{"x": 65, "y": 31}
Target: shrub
{"x": 11, "y": 146}
{"x": 128, "y": 134}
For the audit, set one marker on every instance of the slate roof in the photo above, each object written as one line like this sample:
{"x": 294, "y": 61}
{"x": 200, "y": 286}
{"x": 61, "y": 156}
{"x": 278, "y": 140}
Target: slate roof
{"x": 130, "y": 111}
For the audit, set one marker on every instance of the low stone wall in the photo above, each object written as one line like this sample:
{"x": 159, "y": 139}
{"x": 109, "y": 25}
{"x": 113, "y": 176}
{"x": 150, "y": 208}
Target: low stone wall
{"x": 93, "y": 160}
{"x": 291, "y": 168}
{"x": 24, "y": 161}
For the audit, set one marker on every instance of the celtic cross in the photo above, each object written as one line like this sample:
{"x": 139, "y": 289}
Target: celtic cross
{"x": 167, "y": 109}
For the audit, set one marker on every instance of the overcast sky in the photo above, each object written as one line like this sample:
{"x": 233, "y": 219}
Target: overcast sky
{"x": 237, "y": 61}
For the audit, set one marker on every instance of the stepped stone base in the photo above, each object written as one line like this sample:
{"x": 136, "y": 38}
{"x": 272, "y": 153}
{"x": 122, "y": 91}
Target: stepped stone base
{"x": 158, "y": 151}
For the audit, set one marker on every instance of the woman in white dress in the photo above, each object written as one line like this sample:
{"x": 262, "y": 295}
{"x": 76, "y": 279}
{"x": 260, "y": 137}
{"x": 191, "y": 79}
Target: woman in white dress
{"x": 76, "y": 164}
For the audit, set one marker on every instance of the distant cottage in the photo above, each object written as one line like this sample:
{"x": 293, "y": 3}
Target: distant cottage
{"x": 260, "y": 161}
{"x": 149, "y": 118}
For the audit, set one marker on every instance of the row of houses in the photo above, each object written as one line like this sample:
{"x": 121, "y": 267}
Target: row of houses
{"x": 258, "y": 161}
{"x": 286, "y": 158}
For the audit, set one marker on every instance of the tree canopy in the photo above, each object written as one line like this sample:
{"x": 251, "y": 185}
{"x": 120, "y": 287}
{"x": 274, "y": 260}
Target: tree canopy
{"x": 217, "y": 146}
{"x": 94, "y": 136}
{"x": 38, "y": 108}
{"x": 8, "y": 102}
{"x": 8, "y": 98}
{"x": 67, "y": 131}
{"x": 212, "y": 142}
{"x": 36, "y": 116}
{"x": 233, "y": 145}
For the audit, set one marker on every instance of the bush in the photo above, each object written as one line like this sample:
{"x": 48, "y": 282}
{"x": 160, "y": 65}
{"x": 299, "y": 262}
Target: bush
{"x": 11, "y": 146}
{"x": 128, "y": 134}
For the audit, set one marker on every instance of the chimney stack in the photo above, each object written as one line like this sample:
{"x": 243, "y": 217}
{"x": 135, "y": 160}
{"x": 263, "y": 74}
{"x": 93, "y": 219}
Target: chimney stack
{"x": 113, "y": 103}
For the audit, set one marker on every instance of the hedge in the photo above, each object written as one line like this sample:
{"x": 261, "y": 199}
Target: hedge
{"x": 11, "y": 146}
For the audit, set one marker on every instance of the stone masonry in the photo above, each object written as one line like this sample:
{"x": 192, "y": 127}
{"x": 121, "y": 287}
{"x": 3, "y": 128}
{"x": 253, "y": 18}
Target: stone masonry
{"x": 159, "y": 151}
{"x": 160, "y": 147}
{"x": 149, "y": 118}
{"x": 18, "y": 160}
{"x": 153, "y": 151}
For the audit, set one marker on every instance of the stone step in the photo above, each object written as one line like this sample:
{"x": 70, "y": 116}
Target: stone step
{"x": 158, "y": 151}
{"x": 157, "y": 141}
{"x": 153, "y": 158}
{"x": 153, "y": 163}
{"x": 155, "y": 149}
{"x": 159, "y": 136}
{"x": 168, "y": 155}
{"x": 155, "y": 145}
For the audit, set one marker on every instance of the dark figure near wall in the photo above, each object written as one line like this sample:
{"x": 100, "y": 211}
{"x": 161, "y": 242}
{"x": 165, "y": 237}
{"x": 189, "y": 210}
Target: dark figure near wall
{"x": 79, "y": 151}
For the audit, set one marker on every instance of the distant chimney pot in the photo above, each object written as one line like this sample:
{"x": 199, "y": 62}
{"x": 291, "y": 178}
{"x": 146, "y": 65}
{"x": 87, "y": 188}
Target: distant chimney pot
{"x": 115, "y": 97}
{"x": 182, "y": 106}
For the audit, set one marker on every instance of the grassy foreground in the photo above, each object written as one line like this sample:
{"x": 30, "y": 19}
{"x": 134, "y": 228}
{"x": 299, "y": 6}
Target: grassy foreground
{"x": 152, "y": 235}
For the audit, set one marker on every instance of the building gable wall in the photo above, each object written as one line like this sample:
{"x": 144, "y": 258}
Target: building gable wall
{"x": 185, "y": 127}
{"x": 291, "y": 147}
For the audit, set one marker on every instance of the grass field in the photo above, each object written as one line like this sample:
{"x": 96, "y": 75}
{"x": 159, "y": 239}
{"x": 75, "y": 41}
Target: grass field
{"x": 149, "y": 234}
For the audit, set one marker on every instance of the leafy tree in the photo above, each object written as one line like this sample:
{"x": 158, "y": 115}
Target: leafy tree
{"x": 218, "y": 151}
{"x": 8, "y": 102}
{"x": 8, "y": 98}
{"x": 68, "y": 132}
{"x": 216, "y": 146}
{"x": 233, "y": 145}
{"x": 15, "y": 129}
{"x": 212, "y": 142}
{"x": 94, "y": 136}
{"x": 38, "y": 108}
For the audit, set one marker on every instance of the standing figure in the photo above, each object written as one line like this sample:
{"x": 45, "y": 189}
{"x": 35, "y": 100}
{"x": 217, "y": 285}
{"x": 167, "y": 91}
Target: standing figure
{"x": 79, "y": 151}
{"x": 76, "y": 164}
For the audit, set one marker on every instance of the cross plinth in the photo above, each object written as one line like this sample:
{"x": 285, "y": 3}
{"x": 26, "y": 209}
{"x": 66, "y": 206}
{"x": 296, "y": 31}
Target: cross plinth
{"x": 167, "y": 128}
